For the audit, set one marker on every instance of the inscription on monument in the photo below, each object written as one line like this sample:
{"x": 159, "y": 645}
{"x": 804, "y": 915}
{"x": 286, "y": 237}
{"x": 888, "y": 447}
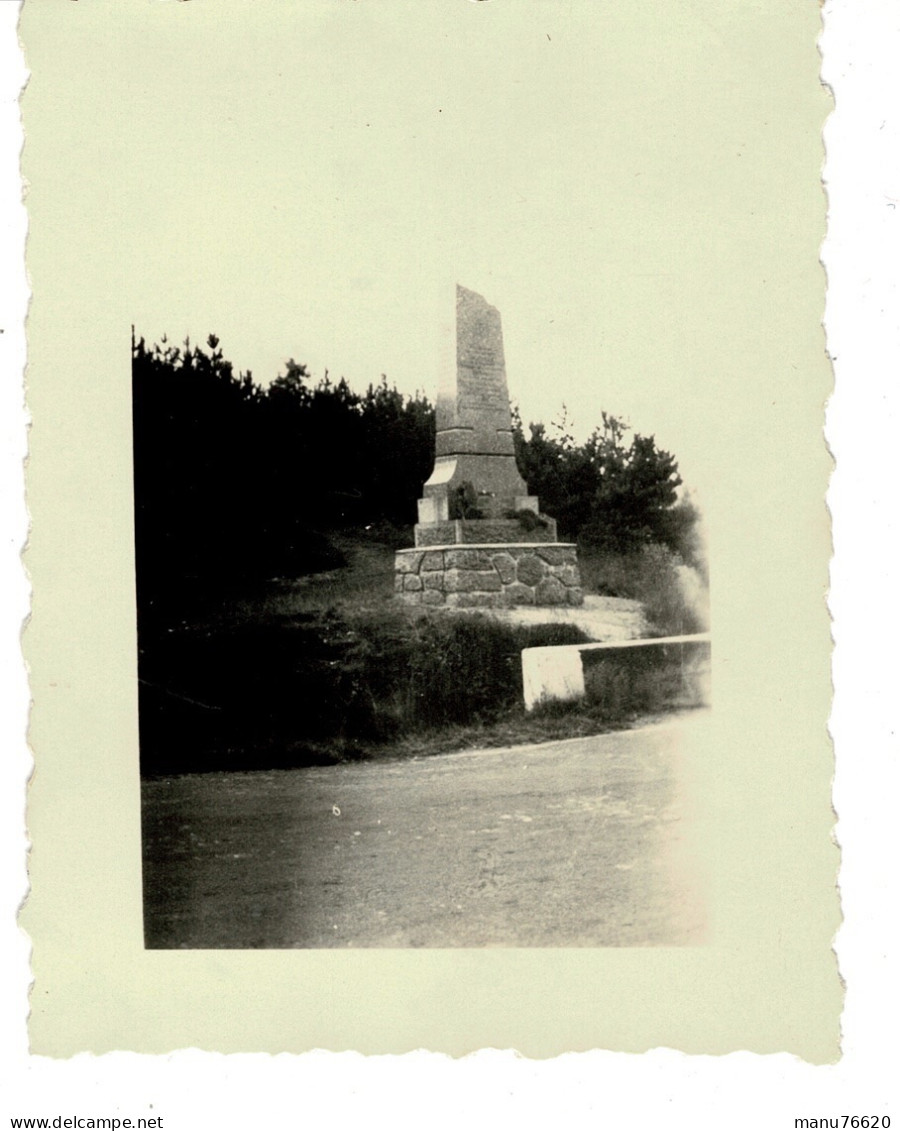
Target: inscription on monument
{"x": 474, "y": 442}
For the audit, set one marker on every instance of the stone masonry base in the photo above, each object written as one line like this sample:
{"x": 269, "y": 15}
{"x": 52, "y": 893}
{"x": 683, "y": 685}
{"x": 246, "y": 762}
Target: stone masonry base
{"x": 489, "y": 576}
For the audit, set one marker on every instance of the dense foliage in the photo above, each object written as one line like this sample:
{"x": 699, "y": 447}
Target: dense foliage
{"x": 607, "y": 493}
{"x": 233, "y": 481}
{"x": 237, "y": 484}
{"x": 237, "y": 481}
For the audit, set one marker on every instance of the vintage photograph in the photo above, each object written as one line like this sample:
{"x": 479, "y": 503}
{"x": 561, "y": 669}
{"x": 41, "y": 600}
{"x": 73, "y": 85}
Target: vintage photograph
{"x": 420, "y": 601}
{"x": 430, "y": 549}
{"x": 357, "y": 730}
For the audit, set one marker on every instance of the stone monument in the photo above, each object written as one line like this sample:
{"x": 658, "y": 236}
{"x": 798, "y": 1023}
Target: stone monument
{"x": 481, "y": 541}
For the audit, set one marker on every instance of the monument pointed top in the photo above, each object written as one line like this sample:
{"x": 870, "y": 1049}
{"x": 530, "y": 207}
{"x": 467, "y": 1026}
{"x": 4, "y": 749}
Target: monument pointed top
{"x": 474, "y": 441}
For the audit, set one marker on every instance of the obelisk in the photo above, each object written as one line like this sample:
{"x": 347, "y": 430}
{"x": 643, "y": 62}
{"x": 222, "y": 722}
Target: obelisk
{"x": 474, "y": 443}
{"x": 480, "y": 542}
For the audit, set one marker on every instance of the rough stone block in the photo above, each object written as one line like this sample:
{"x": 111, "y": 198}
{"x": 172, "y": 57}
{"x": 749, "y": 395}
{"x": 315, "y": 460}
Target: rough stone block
{"x": 411, "y": 582}
{"x": 505, "y": 565}
{"x": 399, "y": 578}
{"x": 575, "y": 595}
{"x": 517, "y": 594}
{"x": 431, "y": 597}
{"x": 550, "y": 591}
{"x": 467, "y": 559}
{"x": 434, "y": 579}
{"x": 432, "y": 559}
{"x": 567, "y": 574}
{"x": 471, "y": 581}
{"x": 530, "y": 570}
{"x": 407, "y": 561}
{"x": 557, "y": 555}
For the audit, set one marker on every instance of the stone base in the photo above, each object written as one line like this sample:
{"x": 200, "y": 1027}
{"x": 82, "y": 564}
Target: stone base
{"x": 489, "y": 576}
{"x": 476, "y": 531}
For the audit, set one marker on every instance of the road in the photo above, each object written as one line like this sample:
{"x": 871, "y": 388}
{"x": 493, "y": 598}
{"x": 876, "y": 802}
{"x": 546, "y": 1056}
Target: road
{"x": 572, "y": 843}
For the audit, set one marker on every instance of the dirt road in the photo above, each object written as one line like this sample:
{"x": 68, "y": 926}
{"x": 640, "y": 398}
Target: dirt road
{"x": 574, "y": 843}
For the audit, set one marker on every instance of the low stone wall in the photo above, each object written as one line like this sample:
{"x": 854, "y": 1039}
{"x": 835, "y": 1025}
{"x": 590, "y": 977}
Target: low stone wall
{"x": 478, "y": 531}
{"x": 489, "y": 576}
{"x": 557, "y": 673}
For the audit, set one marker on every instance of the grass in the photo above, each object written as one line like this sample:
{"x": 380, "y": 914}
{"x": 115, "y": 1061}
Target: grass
{"x": 637, "y": 681}
{"x": 329, "y": 668}
{"x": 318, "y": 687}
{"x": 363, "y": 585}
{"x": 673, "y": 595}
{"x": 552, "y": 722}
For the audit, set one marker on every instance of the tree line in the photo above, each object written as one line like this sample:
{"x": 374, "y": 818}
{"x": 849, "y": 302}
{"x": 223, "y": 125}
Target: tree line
{"x": 235, "y": 481}
{"x": 610, "y": 492}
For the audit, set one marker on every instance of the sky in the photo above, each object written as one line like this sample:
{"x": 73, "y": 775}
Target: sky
{"x": 309, "y": 181}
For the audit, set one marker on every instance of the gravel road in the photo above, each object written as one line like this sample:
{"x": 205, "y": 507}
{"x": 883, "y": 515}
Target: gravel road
{"x": 573, "y": 843}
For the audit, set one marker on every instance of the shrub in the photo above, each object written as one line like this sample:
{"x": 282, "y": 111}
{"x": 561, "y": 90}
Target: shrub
{"x": 527, "y": 520}
{"x": 228, "y": 474}
{"x": 640, "y": 680}
{"x": 673, "y": 594}
{"x": 463, "y": 502}
{"x": 606, "y": 492}
{"x": 322, "y": 687}
{"x": 454, "y": 670}
{"x": 619, "y": 688}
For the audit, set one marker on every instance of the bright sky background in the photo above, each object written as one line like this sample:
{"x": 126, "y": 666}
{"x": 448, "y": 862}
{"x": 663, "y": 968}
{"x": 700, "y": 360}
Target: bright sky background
{"x": 310, "y": 183}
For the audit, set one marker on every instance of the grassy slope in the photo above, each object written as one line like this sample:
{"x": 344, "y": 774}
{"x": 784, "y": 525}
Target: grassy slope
{"x": 269, "y": 631}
